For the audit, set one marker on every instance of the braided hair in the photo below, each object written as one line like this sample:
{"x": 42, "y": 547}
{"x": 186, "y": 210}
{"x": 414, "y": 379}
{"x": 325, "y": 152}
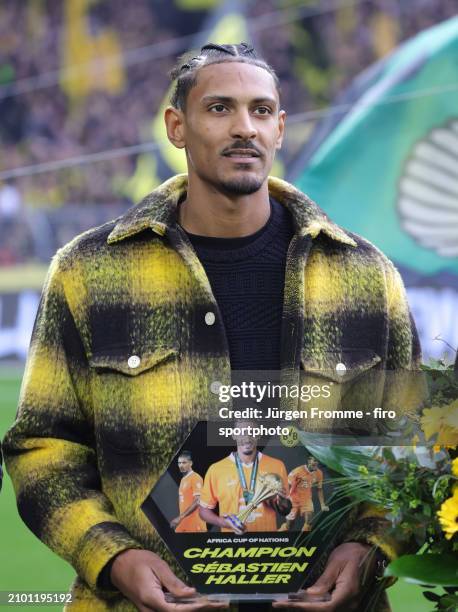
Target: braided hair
{"x": 185, "y": 72}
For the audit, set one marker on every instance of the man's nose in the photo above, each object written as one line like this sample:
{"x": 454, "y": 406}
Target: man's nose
{"x": 243, "y": 126}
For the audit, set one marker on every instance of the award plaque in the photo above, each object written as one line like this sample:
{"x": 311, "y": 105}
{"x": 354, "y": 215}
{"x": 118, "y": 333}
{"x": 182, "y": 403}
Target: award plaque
{"x": 247, "y": 521}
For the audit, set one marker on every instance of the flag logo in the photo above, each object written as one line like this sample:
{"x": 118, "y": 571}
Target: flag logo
{"x": 428, "y": 191}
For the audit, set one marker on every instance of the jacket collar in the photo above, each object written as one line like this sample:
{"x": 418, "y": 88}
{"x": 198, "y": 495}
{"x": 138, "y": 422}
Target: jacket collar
{"x": 157, "y": 211}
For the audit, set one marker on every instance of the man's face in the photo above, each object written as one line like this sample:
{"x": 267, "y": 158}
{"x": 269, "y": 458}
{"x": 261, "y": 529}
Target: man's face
{"x": 232, "y": 127}
{"x": 245, "y": 444}
{"x": 184, "y": 464}
{"x": 312, "y": 464}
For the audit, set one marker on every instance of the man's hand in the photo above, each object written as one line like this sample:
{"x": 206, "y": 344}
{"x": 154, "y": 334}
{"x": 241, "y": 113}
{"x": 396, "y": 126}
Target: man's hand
{"x": 348, "y": 568}
{"x": 228, "y": 524}
{"x": 142, "y": 577}
{"x": 280, "y": 503}
{"x": 210, "y": 516}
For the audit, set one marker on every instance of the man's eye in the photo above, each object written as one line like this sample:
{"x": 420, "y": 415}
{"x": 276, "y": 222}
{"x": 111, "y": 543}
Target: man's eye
{"x": 218, "y": 108}
{"x": 263, "y": 110}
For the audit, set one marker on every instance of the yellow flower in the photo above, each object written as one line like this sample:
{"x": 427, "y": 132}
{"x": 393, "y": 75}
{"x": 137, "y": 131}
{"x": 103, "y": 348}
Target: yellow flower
{"x": 451, "y": 418}
{"x": 455, "y": 467}
{"x": 432, "y": 421}
{"x": 448, "y": 516}
{"x": 443, "y": 422}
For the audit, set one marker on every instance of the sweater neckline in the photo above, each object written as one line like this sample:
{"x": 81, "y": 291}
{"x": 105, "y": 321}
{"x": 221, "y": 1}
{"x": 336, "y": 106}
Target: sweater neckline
{"x": 212, "y": 249}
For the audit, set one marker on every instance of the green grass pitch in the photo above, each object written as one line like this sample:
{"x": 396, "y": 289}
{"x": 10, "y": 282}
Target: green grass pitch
{"x": 27, "y": 565}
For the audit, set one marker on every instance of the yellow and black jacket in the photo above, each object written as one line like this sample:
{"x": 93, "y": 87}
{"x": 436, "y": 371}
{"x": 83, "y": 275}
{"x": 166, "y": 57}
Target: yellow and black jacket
{"x": 93, "y": 433}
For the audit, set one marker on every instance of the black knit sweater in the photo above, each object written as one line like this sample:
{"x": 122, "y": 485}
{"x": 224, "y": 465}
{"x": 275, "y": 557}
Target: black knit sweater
{"x": 247, "y": 277}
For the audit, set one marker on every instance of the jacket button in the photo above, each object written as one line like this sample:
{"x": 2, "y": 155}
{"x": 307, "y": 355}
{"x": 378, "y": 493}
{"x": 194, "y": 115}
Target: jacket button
{"x": 210, "y": 318}
{"x": 215, "y": 387}
{"x": 133, "y": 361}
{"x": 341, "y": 368}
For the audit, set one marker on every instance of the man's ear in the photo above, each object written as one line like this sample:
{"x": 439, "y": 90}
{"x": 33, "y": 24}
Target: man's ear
{"x": 281, "y": 128}
{"x": 174, "y": 124}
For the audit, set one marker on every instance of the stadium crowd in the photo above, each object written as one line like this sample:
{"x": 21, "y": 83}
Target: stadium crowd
{"x": 57, "y": 103}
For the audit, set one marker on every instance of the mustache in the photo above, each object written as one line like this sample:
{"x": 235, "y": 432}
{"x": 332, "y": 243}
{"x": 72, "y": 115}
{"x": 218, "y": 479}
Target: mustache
{"x": 242, "y": 145}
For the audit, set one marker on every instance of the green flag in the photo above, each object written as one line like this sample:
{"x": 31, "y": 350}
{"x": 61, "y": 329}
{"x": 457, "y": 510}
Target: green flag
{"x": 385, "y": 165}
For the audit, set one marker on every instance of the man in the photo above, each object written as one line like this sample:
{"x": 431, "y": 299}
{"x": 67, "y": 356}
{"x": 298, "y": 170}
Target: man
{"x": 301, "y": 482}
{"x": 188, "y": 498}
{"x": 140, "y": 317}
{"x": 231, "y": 484}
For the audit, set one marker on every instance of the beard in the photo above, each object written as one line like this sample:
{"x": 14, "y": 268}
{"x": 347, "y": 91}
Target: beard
{"x": 235, "y": 186}
{"x": 241, "y": 185}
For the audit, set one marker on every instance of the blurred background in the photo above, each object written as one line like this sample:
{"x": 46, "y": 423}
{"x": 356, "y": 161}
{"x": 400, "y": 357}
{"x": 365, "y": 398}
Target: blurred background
{"x": 370, "y": 88}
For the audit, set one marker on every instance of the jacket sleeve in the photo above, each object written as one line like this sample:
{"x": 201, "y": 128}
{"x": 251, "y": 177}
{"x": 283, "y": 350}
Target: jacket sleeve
{"x": 403, "y": 350}
{"x": 404, "y": 391}
{"x": 50, "y": 450}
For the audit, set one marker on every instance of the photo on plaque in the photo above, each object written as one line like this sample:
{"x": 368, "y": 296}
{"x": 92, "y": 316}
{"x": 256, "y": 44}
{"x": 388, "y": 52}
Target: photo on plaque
{"x": 246, "y": 518}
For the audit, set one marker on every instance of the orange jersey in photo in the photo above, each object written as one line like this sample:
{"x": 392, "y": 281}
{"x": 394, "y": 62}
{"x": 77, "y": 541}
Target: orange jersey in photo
{"x": 190, "y": 488}
{"x": 301, "y": 480}
{"x": 222, "y": 486}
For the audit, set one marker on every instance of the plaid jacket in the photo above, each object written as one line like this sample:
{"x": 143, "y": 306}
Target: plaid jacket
{"x": 93, "y": 433}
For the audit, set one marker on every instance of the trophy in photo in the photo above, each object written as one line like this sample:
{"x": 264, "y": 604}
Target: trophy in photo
{"x": 268, "y": 486}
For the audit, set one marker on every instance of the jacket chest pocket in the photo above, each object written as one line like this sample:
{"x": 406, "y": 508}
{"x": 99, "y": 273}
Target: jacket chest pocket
{"x": 344, "y": 388}
{"x": 137, "y": 399}
{"x": 340, "y": 367}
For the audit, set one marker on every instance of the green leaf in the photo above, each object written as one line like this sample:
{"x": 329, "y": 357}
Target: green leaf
{"x": 345, "y": 460}
{"x": 440, "y": 569}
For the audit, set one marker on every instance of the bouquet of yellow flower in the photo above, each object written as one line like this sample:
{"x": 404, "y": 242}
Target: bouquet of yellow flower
{"x": 440, "y": 424}
{"x": 417, "y": 486}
